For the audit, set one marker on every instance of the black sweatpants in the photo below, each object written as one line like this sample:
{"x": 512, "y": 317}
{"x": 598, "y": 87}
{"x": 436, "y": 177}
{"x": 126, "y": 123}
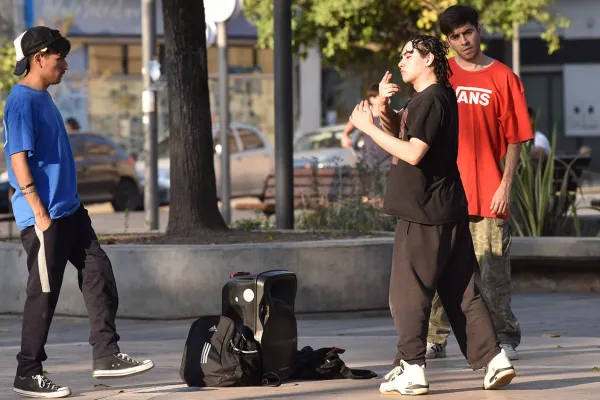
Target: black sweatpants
{"x": 71, "y": 239}
{"x": 430, "y": 257}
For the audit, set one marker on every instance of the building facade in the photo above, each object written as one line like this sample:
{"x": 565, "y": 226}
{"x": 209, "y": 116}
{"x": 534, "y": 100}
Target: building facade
{"x": 563, "y": 87}
{"x": 103, "y": 87}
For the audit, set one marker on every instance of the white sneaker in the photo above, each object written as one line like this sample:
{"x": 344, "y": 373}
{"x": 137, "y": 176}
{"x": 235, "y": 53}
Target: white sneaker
{"x": 499, "y": 372}
{"x": 511, "y": 353}
{"x": 405, "y": 379}
{"x": 435, "y": 351}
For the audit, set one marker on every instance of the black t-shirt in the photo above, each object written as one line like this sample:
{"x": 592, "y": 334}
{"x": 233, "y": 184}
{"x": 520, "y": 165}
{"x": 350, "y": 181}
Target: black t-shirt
{"x": 430, "y": 192}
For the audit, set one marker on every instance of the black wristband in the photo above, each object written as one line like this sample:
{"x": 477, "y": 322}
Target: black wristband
{"x": 27, "y": 186}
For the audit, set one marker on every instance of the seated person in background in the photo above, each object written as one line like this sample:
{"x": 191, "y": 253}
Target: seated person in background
{"x": 541, "y": 144}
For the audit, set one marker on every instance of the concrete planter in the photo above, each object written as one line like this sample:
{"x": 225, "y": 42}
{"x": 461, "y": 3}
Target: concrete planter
{"x": 185, "y": 281}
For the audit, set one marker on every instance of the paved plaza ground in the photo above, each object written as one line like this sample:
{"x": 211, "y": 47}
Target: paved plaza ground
{"x": 550, "y": 367}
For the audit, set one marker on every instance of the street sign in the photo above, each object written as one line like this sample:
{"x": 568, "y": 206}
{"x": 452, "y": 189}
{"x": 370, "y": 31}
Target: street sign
{"x": 222, "y": 10}
{"x": 154, "y": 70}
{"x": 211, "y": 32}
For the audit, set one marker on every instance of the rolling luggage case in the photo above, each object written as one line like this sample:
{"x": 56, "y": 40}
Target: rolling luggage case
{"x": 265, "y": 303}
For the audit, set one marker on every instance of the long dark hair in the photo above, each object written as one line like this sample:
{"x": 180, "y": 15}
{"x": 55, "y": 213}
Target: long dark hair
{"x": 430, "y": 44}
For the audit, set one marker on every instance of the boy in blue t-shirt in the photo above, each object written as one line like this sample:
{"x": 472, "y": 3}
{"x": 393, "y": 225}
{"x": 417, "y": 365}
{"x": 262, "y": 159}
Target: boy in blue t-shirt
{"x": 55, "y": 227}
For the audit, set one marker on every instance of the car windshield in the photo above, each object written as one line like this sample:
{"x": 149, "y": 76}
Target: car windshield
{"x": 323, "y": 139}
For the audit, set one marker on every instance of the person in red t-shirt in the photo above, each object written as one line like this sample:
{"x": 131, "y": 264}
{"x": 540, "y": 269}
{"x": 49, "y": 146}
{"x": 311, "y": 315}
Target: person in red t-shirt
{"x": 493, "y": 122}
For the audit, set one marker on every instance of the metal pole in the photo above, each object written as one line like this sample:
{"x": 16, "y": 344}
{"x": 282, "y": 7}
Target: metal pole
{"x": 516, "y": 50}
{"x": 225, "y": 190}
{"x": 149, "y": 119}
{"x": 284, "y": 114}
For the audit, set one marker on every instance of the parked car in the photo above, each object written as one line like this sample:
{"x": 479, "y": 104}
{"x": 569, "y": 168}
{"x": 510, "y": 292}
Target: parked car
{"x": 105, "y": 173}
{"x": 322, "y": 147}
{"x": 251, "y": 160}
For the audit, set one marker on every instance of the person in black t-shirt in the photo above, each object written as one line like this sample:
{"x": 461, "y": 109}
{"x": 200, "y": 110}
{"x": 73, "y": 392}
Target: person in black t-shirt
{"x": 433, "y": 248}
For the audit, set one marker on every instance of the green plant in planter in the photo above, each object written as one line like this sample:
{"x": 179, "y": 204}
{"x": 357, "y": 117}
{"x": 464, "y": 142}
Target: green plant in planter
{"x": 356, "y": 210}
{"x": 541, "y": 206}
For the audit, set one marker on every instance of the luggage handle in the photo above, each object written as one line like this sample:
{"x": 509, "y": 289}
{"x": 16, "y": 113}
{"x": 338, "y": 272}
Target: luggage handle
{"x": 240, "y": 350}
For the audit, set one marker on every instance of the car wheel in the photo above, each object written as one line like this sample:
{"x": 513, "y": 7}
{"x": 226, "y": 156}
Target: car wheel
{"x": 127, "y": 196}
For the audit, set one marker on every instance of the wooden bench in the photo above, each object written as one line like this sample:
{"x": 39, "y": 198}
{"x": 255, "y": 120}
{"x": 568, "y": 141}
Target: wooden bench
{"x": 312, "y": 188}
{"x": 577, "y": 163}
{"x": 323, "y": 186}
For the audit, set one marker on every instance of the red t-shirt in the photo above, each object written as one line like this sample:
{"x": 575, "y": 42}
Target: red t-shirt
{"x": 492, "y": 112}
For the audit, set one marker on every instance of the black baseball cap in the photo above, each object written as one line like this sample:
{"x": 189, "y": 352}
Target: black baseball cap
{"x": 33, "y": 40}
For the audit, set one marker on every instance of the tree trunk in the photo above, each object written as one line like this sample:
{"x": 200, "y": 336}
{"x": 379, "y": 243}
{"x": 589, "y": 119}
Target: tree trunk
{"x": 193, "y": 188}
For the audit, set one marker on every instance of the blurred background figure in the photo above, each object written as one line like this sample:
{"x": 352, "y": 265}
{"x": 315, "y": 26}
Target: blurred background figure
{"x": 541, "y": 144}
{"x": 72, "y": 125}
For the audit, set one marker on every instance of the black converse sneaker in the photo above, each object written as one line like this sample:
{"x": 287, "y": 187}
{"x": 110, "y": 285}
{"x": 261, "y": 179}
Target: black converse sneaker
{"x": 39, "y": 386}
{"x": 119, "y": 366}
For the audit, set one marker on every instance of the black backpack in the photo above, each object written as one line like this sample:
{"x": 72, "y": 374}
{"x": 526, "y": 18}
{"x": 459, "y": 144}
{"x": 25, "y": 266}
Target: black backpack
{"x": 219, "y": 354}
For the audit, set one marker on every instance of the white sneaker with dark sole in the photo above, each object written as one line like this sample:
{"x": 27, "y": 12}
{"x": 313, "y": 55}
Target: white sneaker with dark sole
{"x": 40, "y": 387}
{"x": 405, "y": 379}
{"x": 499, "y": 372}
{"x": 119, "y": 366}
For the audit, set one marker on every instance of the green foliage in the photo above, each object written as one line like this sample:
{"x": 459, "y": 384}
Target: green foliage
{"x": 7, "y": 66}
{"x": 540, "y": 206}
{"x": 351, "y": 215}
{"x": 250, "y": 224}
{"x": 361, "y": 31}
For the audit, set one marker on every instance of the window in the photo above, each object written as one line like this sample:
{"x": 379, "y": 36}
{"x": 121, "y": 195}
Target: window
{"x": 250, "y": 140}
{"x": 264, "y": 59}
{"x": 233, "y": 146}
{"x": 134, "y": 59}
{"x": 544, "y": 92}
{"x": 97, "y": 147}
{"x": 105, "y": 59}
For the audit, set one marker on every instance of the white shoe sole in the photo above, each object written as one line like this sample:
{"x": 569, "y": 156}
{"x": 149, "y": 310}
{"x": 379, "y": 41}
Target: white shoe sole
{"x": 406, "y": 392}
{"x": 502, "y": 379}
{"x": 124, "y": 373}
{"x": 53, "y": 395}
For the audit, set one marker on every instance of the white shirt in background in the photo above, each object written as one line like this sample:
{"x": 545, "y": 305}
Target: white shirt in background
{"x": 541, "y": 141}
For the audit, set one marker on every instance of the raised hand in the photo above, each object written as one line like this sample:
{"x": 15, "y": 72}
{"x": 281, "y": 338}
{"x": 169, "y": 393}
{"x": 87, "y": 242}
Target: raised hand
{"x": 387, "y": 89}
{"x": 362, "y": 117}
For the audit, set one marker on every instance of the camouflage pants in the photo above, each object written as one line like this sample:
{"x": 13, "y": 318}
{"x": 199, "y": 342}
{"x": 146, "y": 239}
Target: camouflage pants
{"x": 491, "y": 239}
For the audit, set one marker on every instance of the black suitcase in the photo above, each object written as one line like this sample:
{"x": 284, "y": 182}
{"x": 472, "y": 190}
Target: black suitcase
{"x": 265, "y": 303}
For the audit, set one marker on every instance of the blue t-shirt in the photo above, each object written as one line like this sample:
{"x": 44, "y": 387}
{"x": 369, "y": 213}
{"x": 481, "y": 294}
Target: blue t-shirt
{"x": 33, "y": 123}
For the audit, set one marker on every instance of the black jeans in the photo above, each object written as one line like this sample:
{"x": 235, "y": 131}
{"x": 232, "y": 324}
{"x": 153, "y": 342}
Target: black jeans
{"x": 430, "y": 257}
{"x": 73, "y": 239}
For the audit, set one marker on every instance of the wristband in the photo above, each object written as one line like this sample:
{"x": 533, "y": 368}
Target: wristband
{"x": 27, "y": 186}
{"x": 29, "y": 191}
